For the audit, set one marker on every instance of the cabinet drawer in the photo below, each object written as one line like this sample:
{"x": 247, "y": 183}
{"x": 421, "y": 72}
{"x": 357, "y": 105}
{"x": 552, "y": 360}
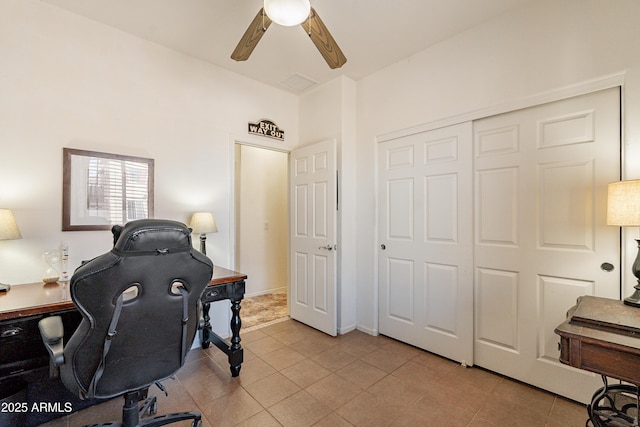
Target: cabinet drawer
{"x": 21, "y": 348}
{"x": 20, "y": 339}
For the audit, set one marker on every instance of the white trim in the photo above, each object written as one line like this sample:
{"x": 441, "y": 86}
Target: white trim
{"x": 376, "y": 236}
{"x": 570, "y": 91}
{"x": 347, "y": 329}
{"x": 268, "y": 144}
{"x": 232, "y": 202}
{"x": 252, "y": 141}
{"x": 369, "y": 331}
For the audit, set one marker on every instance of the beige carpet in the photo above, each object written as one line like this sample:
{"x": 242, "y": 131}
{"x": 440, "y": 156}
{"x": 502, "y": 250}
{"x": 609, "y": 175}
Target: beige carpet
{"x": 263, "y": 310}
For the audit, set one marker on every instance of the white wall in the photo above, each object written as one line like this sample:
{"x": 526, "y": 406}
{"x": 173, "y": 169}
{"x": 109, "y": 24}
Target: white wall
{"x": 546, "y": 46}
{"x": 66, "y": 81}
{"x": 329, "y": 112}
{"x": 70, "y": 82}
{"x": 263, "y": 218}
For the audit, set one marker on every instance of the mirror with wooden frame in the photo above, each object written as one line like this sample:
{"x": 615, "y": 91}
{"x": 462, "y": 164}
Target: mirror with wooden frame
{"x": 100, "y": 190}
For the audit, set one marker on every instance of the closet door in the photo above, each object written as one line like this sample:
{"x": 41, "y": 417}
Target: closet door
{"x": 425, "y": 249}
{"x": 541, "y": 179}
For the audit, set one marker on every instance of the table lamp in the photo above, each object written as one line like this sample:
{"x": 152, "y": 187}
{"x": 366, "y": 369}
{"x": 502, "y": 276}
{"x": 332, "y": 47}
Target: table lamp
{"x": 203, "y": 223}
{"x": 623, "y": 209}
{"x": 8, "y": 231}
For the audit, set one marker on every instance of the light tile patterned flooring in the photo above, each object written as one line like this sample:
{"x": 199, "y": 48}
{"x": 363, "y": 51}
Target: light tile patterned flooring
{"x": 296, "y": 376}
{"x": 262, "y": 309}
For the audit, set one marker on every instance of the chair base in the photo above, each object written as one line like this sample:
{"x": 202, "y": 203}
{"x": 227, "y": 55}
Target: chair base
{"x": 160, "y": 420}
{"x": 132, "y": 412}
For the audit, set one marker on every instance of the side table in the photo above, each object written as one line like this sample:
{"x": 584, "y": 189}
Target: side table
{"x": 602, "y": 335}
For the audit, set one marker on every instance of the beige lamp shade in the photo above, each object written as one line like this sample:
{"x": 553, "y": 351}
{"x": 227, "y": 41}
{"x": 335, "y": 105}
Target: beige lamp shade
{"x": 8, "y": 226}
{"x": 623, "y": 203}
{"x": 203, "y": 222}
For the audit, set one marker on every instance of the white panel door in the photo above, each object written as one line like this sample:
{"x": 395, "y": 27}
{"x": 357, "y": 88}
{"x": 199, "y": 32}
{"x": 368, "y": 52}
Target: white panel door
{"x": 541, "y": 179}
{"x": 312, "y": 295}
{"x": 426, "y": 241}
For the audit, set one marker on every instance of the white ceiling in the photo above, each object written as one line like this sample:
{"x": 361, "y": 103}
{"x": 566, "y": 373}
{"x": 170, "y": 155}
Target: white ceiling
{"x": 372, "y": 33}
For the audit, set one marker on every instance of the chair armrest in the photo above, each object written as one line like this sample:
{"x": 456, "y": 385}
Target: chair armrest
{"x": 52, "y": 332}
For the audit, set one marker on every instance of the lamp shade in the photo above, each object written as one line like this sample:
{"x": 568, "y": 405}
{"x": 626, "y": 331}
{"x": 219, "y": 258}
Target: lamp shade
{"x": 203, "y": 222}
{"x": 623, "y": 203}
{"x": 287, "y": 12}
{"x": 8, "y": 226}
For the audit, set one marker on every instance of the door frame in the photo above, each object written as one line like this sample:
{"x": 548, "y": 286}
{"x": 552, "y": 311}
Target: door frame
{"x": 253, "y": 142}
{"x": 286, "y": 147}
{"x": 627, "y": 251}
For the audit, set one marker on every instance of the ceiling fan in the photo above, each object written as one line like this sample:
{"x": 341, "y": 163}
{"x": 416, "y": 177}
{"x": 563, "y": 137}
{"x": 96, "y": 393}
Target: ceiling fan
{"x": 290, "y": 13}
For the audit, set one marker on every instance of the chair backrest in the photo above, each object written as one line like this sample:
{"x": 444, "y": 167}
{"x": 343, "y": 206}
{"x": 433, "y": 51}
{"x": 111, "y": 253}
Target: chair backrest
{"x": 133, "y": 293}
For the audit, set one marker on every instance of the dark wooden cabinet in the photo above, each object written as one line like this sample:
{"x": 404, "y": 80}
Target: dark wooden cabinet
{"x": 22, "y": 352}
{"x": 603, "y": 336}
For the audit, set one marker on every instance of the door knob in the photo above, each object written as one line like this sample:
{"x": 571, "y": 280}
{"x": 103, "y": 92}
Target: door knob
{"x": 328, "y": 247}
{"x": 383, "y": 247}
{"x": 607, "y": 266}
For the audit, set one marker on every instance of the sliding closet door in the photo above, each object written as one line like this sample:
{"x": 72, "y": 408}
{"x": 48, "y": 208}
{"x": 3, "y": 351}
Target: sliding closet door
{"x": 425, "y": 249}
{"x": 541, "y": 237}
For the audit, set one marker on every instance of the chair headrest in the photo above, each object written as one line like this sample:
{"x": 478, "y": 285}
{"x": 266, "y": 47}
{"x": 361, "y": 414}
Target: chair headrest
{"x": 151, "y": 236}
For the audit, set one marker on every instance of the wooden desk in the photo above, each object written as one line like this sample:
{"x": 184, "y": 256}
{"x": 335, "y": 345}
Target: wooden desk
{"x": 603, "y": 336}
{"x": 225, "y": 284}
{"x": 34, "y": 298}
{"x": 24, "y": 305}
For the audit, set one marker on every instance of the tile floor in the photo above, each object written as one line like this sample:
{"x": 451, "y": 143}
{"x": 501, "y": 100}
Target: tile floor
{"x": 294, "y": 375}
{"x": 262, "y": 309}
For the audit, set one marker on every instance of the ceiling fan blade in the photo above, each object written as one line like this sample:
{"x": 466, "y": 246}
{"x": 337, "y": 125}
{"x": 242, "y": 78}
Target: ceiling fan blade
{"x": 323, "y": 40}
{"x": 251, "y": 37}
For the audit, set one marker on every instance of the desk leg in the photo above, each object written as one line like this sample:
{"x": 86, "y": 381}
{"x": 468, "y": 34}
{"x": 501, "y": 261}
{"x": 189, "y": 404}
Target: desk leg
{"x": 615, "y": 405}
{"x": 205, "y": 338}
{"x": 235, "y": 350}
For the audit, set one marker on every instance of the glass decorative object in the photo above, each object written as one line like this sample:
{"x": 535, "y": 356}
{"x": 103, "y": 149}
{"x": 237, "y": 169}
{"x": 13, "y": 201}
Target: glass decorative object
{"x": 52, "y": 258}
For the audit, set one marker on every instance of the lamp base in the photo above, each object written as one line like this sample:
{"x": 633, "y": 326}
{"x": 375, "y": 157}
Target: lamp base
{"x": 203, "y": 243}
{"x": 634, "y": 298}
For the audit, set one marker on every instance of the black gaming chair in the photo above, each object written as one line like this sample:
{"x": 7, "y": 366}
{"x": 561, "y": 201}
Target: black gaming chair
{"x": 139, "y": 304}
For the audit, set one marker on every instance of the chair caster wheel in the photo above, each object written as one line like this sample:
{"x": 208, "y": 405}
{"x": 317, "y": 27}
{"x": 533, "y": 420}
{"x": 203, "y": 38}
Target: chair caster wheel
{"x": 196, "y": 423}
{"x": 150, "y": 409}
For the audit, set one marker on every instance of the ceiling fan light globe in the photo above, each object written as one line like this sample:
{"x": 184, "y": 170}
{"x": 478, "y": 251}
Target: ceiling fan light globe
{"x": 287, "y": 12}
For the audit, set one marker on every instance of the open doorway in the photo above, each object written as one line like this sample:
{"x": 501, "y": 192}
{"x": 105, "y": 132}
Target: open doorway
{"x": 262, "y": 232}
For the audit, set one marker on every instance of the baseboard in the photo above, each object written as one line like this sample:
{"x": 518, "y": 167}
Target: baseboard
{"x": 346, "y": 329}
{"x": 369, "y": 331}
